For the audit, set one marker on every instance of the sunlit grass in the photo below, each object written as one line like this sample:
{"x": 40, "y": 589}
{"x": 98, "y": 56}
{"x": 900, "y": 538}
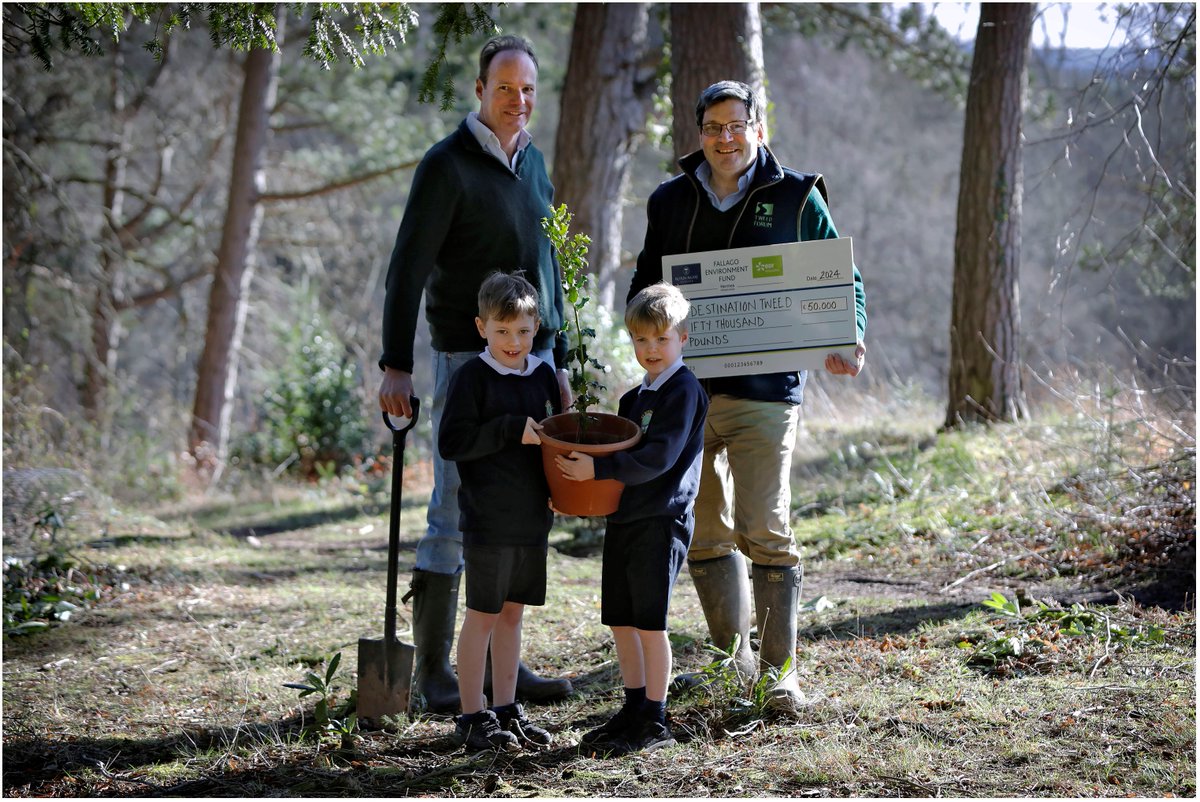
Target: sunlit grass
{"x": 177, "y": 679}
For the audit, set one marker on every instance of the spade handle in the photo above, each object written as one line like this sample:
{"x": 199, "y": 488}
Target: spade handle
{"x": 399, "y": 434}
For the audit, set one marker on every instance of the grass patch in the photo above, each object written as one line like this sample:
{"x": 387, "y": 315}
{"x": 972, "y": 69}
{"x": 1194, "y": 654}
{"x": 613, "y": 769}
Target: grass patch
{"x": 1097, "y": 487}
{"x": 174, "y": 680}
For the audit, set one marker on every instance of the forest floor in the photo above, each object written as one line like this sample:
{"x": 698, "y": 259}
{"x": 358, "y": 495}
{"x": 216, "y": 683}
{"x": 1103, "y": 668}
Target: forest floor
{"x": 167, "y": 676}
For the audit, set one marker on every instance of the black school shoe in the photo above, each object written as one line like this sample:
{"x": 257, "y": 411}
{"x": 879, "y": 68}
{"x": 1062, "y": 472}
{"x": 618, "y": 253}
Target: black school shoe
{"x": 512, "y": 719}
{"x": 644, "y": 736}
{"x": 481, "y": 731}
{"x": 625, "y": 718}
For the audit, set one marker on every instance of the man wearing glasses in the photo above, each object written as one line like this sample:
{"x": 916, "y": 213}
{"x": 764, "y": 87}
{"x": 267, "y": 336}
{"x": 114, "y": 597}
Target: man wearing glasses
{"x": 734, "y": 193}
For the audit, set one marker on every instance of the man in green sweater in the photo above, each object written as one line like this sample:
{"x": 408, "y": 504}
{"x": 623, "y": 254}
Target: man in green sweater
{"x": 474, "y": 208}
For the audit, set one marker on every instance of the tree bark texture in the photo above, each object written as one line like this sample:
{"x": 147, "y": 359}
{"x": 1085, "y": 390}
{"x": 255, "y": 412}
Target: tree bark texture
{"x": 985, "y": 323}
{"x": 711, "y": 42}
{"x": 217, "y": 371}
{"x": 606, "y": 96}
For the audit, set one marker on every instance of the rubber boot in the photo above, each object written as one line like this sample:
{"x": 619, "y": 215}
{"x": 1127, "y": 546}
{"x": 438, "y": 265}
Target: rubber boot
{"x": 777, "y": 600}
{"x": 435, "y": 602}
{"x": 531, "y": 687}
{"x": 724, "y": 591}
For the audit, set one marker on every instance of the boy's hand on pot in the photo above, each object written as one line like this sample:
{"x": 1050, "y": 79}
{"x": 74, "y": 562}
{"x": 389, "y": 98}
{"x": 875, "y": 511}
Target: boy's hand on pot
{"x": 576, "y": 467}
{"x": 529, "y": 437}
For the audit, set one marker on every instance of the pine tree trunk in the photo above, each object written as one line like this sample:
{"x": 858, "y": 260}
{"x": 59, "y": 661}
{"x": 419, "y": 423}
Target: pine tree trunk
{"x": 985, "y": 324}
{"x": 711, "y": 42}
{"x": 605, "y": 103}
{"x": 217, "y": 371}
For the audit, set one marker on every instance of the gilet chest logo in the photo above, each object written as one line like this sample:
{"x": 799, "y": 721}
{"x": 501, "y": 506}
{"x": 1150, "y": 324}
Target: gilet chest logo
{"x": 764, "y": 215}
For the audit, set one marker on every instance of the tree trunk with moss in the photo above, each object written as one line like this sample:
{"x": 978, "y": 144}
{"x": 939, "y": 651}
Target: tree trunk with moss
{"x": 985, "y": 323}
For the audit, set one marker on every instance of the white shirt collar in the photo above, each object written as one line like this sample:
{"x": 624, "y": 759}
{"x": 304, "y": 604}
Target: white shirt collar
{"x": 662, "y": 377}
{"x": 491, "y": 143}
{"x": 704, "y": 176}
{"x": 531, "y": 363}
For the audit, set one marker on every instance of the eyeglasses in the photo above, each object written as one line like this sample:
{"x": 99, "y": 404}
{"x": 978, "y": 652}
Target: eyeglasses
{"x": 735, "y": 127}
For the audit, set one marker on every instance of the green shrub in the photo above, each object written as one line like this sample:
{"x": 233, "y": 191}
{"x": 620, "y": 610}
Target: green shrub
{"x": 44, "y": 590}
{"x": 310, "y": 421}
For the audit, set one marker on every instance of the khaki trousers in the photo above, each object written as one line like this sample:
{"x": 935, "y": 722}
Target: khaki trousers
{"x": 745, "y": 497}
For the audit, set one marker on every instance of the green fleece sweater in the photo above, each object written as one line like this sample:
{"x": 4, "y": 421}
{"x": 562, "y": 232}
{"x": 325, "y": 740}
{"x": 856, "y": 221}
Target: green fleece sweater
{"x": 467, "y": 216}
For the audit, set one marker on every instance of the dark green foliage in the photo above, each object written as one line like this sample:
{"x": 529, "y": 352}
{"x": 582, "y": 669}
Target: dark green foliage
{"x": 241, "y": 26}
{"x": 738, "y": 705}
{"x": 310, "y": 420}
{"x": 43, "y": 590}
{"x": 378, "y": 24}
{"x": 40, "y": 29}
{"x": 328, "y": 717}
{"x": 460, "y": 21}
{"x": 1028, "y": 636}
{"x": 48, "y": 587}
{"x": 572, "y": 260}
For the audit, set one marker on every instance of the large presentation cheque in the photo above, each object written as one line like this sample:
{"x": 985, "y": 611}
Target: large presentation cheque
{"x": 767, "y": 309}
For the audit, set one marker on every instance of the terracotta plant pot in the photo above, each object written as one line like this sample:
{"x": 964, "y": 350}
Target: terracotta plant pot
{"x": 605, "y": 434}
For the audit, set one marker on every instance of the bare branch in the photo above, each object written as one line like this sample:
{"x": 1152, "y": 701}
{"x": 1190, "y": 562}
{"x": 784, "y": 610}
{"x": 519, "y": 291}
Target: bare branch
{"x": 336, "y": 186}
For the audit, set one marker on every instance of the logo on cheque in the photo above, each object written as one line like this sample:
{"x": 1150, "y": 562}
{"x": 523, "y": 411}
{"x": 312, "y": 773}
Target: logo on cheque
{"x": 766, "y": 267}
{"x": 686, "y": 274}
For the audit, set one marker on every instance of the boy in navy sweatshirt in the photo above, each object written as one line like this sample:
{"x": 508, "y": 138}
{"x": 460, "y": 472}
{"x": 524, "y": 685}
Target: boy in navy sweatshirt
{"x": 647, "y": 538}
{"x": 489, "y": 428}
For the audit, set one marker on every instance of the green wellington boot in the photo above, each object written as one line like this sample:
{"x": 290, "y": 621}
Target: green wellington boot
{"x": 724, "y": 591}
{"x": 777, "y": 599}
{"x": 435, "y": 602}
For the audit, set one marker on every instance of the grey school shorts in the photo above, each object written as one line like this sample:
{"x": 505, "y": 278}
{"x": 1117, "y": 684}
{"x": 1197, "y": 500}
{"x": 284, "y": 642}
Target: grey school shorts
{"x": 499, "y": 574}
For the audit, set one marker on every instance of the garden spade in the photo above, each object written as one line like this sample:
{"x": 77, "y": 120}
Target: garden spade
{"x": 385, "y": 666}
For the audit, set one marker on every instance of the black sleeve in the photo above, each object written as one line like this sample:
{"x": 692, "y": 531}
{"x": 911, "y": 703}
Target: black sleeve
{"x": 465, "y": 434}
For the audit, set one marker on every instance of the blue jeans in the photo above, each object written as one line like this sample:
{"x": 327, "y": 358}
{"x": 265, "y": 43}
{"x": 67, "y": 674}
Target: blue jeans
{"x": 440, "y": 550}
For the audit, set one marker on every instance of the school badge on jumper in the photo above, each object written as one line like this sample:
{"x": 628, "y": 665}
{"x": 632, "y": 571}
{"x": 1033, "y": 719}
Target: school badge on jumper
{"x": 549, "y": 408}
{"x": 646, "y": 419}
